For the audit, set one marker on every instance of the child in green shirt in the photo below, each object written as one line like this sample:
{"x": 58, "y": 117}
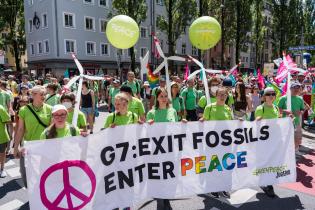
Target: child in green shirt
{"x": 4, "y": 138}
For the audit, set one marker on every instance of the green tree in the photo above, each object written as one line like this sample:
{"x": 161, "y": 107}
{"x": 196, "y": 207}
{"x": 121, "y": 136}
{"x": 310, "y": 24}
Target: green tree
{"x": 12, "y": 18}
{"x": 309, "y": 21}
{"x": 258, "y": 29}
{"x": 179, "y": 14}
{"x": 136, "y": 9}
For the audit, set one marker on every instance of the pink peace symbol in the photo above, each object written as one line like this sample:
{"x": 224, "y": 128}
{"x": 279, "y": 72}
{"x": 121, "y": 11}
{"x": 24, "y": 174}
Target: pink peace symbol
{"x": 68, "y": 189}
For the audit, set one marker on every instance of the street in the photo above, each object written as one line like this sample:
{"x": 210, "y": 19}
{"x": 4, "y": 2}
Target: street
{"x": 300, "y": 195}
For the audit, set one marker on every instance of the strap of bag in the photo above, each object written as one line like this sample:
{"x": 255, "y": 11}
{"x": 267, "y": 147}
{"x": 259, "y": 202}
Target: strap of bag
{"x": 36, "y": 116}
{"x": 50, "y": 97}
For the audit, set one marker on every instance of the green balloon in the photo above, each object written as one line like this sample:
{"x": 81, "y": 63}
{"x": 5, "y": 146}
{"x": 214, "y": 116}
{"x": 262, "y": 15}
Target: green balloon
{"x": 122, "y": 32}
{"x": 205, "y": 32}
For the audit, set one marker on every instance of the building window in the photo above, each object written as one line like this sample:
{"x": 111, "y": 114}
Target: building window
{"x": 39, "y": 48}
{"x": 103, "y": 24}
{"x": 30, "y": 2}
{"x": 69, "y": 20}
{"x": 119, "y": 52}
{"x": 46, "y": 46}
{"x": 246, "y": 59}
{"x": 30, "y": 26}
{"x": 159, "y": 2}
{"x": 194, "y": 51}
{"x": 32, "y": 49}
{"x": 88, "y": 1}
{"x": 143, "y": 51}
{"x": 104, "y": 49}
{"x": 89, "y": 23}
{"x": 143, "y": 33}
{"x": 69, "y": 46}
{"x": 103, "y": 3}
{"x": 44, "y": 21}
{"x": 184, "y": 49}
{"x": 90, "y": 48}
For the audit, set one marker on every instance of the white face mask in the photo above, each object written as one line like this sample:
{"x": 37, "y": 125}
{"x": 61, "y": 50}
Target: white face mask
{"x": 214, "y": 89}
{"x": 68, "y": 105}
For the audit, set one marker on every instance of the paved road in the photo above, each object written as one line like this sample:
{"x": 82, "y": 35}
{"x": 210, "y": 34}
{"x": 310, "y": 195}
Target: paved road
{"x": 300, "y": 195}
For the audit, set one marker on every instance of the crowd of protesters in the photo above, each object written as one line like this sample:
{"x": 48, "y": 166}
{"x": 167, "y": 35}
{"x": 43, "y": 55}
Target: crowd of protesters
{"x": 33, "y": 109}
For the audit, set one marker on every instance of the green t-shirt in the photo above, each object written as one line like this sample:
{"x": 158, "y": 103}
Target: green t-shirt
{"x": 267, "y": 112}
{"x": 136, "y": 106}
{"x": 114, "y": 118}
{"x": 5, "y": 98}
{"x": 297, "y": 104}
{"x": 163, "y": 115}
{"x": 81, "y": 119}
{"x": 52, "y": 100}
{"x": 4, "y": 118}
{"x": 112, "y": 93}
{"x": 216, "y": 112}
{"x": 202, "y": 103}
{"x": 190, "y": 96}
{"x": 33, "y": 129}
{"x": 134, "y": 85}
{"x": 177, "y": 103}
{"x": 61, "y": 132}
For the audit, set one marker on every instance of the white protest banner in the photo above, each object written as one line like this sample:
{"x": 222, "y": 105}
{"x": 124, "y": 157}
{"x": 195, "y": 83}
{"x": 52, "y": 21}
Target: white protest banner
{"x": 122, "y": 166}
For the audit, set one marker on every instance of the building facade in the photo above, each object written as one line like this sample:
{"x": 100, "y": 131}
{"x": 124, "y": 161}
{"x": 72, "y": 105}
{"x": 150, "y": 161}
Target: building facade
{"x": 55, "y": 29}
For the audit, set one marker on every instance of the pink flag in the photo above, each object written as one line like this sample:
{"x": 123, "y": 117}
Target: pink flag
{"x": 155, "y": 51}
{"x": 283, "y": 68}
{"x": 261, "y": 82}
{"x": 186, "y": 71}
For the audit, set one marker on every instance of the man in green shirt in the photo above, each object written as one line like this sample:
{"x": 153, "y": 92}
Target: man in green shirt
{"x": 297, "y": 106}
{"x": 190, "y": 96}
{"x": 133, "y": 84}
{"x": 113, "y": 91}
{"x": 5, "y": 98}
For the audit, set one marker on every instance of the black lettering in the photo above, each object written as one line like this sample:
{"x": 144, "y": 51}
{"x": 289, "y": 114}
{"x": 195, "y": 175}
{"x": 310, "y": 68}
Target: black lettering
{"x": 251, "y": 138}
{"x": 245, "y": 133}
{"x": 152, "y": 171}
{"x": 158, "y": 144}
{"x": 265, "y": 133}
{"x": 143, "y": 146}
{"x": 111, "y": 155}
{"x": 208, "y": 138}
{"x": 168, "y": 168}
{"x": 238, "y": 135}
{"x": 108, "y": 182}
{"x": 124, "y": 146}
{"x": 170, "y": 143}
{"x": 196, "y": 140}
{"x": 225, "y": 135}
{"x": 180, "y": 140}
{"x": 139, "y": 169}
{"x": 122, "y": 178}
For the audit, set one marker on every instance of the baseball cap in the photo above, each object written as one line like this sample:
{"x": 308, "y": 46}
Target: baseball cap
{"x": 58, "y": 107}
{"x": 269, "y": 90}
{"x": 301, "y": 74}
{"x": 116, "y": 81}
{"x": 146, "y": 83}
{"x": 162, "y": 78}
{"x": 295, "y": 84}
{"x": 24, "y": 86}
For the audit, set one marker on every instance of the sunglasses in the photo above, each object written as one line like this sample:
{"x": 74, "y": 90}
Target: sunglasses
{"x": 270, "y": 94}
{"x": 59, "y": 116}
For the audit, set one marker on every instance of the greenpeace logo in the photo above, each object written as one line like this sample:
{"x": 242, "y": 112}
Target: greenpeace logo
{"x": 276, "y": 169}
{"x": 283, "y": 173}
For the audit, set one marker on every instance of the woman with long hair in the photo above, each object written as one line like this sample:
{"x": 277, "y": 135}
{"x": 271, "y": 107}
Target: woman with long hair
{"x": 242, "y": 102}
{"x": 177, "y": 100}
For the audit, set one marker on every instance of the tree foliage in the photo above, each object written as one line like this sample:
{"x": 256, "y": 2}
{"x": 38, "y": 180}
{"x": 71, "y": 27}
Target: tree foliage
{"x": 179, "y": 15}
{"x": 137, "y": 10}
{"x": 12, "y": 21}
